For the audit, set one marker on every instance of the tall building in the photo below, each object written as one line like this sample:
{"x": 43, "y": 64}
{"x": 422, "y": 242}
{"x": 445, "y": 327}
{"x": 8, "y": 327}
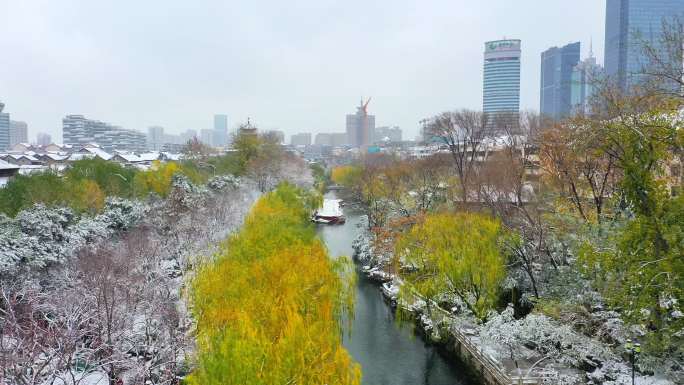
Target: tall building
{"x": 155, "y": 138}
{"x": 627, "y": 23}
{"x": 501, "y": 83}
{"x": 4, "y": 128}
{"x": 584, "y": 77}
{"x": 43, "y": 139}
{"x": 18, "y": 132}
{"x": 360, "y": 126}
{"x": 301, "y": 139}
{"x": 221, "y": 128}
{"x": 79, "y": 131}
{"x": 556, "y": 80}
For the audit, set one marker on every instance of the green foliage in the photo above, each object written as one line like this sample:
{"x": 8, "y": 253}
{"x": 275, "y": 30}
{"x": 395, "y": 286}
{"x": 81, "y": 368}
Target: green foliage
{"x": 347, "y": 176}
{"x": 268, "y": 310}
{"x": 226, "y": 164}
{"x": 321, "y": 176}
{"x": 247, "y": 147}
{"x": 25, "y": 190}
{"x": 112, "y": 178}
{"x": 457, "y": 253}
{"x": 640, "y": 267}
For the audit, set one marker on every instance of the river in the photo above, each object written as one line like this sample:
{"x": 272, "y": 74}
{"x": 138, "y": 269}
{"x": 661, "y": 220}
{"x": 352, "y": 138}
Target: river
{"x": 389, "y": 353}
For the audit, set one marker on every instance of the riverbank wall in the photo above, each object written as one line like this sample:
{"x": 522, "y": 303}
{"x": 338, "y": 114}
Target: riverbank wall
{"x": 438, "y": 328}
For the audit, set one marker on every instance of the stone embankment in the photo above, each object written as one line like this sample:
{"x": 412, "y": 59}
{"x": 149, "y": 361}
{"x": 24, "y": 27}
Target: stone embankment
{"x": 440, "y": 327}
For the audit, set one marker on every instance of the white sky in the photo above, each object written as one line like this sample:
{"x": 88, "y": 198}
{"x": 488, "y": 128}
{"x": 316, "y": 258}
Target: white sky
{"x": 297, "y": 65}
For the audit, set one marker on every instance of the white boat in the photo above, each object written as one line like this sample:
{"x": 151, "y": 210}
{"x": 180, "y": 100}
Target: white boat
{"x": 330, "y": 213}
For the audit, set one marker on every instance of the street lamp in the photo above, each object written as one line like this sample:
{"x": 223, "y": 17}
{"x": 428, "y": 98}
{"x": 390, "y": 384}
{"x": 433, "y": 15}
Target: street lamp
{"x": 633, "y": 349}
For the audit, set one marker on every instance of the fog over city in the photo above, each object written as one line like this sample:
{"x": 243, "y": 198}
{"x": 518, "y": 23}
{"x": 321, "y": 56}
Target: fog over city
{"x": 295, "y": 66}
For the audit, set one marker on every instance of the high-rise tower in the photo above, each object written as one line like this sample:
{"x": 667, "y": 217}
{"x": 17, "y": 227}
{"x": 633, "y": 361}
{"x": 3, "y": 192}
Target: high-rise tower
{"x": 221, "y": 130}
{"x": 360, "y": 126}
{"x": 501, "y": 83}
{"x": 628, "y": 22}
{"x": 556, "y": 80}
{"x": 4, "y": 128}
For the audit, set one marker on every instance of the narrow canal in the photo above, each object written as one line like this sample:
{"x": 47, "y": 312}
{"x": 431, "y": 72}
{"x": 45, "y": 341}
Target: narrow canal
{"x": 389, "y": 353}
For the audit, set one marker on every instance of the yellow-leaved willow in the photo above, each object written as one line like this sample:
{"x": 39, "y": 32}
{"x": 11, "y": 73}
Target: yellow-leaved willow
{"x": 269, "y": 309}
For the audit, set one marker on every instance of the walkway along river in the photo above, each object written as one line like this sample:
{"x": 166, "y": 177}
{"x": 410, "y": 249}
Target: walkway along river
{"x": 389, "y": 353}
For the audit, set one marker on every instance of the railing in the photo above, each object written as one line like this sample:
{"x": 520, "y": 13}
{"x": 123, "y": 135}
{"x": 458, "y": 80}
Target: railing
{"x": 493, "y": 368}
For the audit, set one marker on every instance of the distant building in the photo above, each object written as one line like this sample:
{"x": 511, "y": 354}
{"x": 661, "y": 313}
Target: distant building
{"x": 221, "y": 130}
{"x": 501, "y": 82}
{"x": 7, "y": 172}
{"x": 278, "y": 135}
{"x": 336, "y": 139}
{"x": 323, "y": 139}
{"x": 387, "y": 134}
{"x": 556, "y": 80}
{"x": 628, "y": 22}
{"x": 79, "y": 131}
{"x": 18, "y": 132}
{"x": 301, "y": 139}
{"x": 339, "y": 139}
{"x": 155, "y": 138}
{"x": 584, "y": 77}
{"x": 207, "y": 136}
{"x": 360, "y": 126}
{"x": 43, "y": 139}
{"x": 4, "y": 128}
{"x": 188, "y": 135}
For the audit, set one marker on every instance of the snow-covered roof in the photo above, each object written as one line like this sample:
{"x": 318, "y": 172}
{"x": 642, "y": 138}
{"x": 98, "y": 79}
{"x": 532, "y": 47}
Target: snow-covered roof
{"x": 172, "y": 156}
{"x": 19, "y": 156}
{"x": 81, "y": 155}
{"x": 30, "y": 169}
{"x": 130, "y": 158}
{"x": 60, "y": 145}
{"x": 54, "y": 156}
{"x": 7, "y": 166}
{"x": 97, "y": 151}
{"x": 148, "y": 156}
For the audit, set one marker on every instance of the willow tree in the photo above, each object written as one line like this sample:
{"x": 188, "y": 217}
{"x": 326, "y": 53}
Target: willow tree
{"x": 269, "y": 310}
{"x": 456, "y": 253}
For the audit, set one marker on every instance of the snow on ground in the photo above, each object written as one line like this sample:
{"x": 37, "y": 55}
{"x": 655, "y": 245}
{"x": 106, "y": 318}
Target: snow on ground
{"x": 79, "y": 378}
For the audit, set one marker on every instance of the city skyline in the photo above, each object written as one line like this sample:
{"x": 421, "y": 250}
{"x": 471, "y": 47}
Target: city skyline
{"x": 268, "y": 65}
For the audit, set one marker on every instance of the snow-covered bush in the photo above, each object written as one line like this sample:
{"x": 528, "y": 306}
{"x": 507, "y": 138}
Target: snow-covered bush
{"x": 223, "y": 182}
{"x": 121, "y": 214}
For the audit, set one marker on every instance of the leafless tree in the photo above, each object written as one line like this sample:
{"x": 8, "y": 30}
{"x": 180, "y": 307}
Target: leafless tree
{"x": 663, "y": 69}
{"x": 463, "y": 133}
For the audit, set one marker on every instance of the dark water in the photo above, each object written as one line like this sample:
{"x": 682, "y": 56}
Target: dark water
{"x": 389, "y": 353}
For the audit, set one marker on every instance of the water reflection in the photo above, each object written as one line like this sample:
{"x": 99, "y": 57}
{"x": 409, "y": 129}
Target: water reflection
{"x": 388, "y": 352}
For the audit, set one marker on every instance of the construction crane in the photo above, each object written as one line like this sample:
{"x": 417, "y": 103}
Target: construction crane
{"x": 364, "y": 106}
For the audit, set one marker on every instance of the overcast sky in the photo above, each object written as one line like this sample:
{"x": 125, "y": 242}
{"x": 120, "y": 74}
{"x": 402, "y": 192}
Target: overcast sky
{"x": 297, "y": 65}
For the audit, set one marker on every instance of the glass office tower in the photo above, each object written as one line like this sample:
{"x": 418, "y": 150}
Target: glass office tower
{"x": 556, "y": 80}
{"x": 627, "y": 23}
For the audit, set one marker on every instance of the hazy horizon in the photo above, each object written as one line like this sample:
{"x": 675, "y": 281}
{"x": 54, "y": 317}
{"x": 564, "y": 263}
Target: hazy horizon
{"x": 297, "y": 67}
